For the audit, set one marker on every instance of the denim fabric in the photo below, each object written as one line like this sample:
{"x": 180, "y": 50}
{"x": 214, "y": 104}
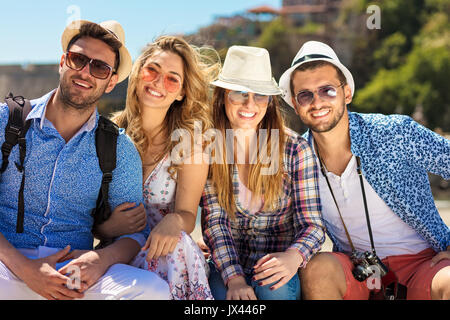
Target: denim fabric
{"x": 290, "y": 291}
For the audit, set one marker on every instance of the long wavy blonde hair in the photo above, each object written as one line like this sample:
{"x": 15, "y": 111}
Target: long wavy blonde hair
{"x": 221, "y": 175}
{"x": 200, "y": 66}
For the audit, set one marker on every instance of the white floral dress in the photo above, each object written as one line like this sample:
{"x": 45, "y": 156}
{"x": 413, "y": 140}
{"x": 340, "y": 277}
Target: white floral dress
{"x": 185, "y": 269}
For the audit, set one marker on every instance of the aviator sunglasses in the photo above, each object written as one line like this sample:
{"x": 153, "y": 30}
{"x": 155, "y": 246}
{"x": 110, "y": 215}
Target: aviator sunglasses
{"x": 327, "y": 93}
{"x": 97, "y": 68}
{"x": 242, "y": 97}
{"x": 171, "y": 82}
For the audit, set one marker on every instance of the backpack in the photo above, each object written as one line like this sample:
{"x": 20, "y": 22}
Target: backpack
{"x": 105, "y": 143}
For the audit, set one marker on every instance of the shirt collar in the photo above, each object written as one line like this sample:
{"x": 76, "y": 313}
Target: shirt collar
{"x": 351, "y": 165}
{"x": 39, "y": 108}
{"x": 358, "y": 144}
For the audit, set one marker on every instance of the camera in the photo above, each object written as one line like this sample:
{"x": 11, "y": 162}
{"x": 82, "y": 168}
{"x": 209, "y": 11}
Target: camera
{"x": 364, "y": 263}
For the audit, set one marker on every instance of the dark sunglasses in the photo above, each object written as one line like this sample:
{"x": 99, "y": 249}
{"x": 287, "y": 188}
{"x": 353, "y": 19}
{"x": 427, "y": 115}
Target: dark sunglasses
{"x": 97, "y": 68}
{"x": 242, "y": 97}
{"x": 327, "y": 93}
{"x": 171, "y": 82}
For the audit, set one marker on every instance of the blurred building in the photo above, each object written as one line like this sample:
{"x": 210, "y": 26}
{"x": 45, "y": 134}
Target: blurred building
{"x": 34, "y": 80}
{"x": 301, "y": 12}
{"x": 263, "y": 13}
{"x": 30, "y": 81}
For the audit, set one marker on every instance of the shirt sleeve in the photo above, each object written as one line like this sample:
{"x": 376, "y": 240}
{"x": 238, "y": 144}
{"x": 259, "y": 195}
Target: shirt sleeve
{"x": 217, "y": 235}
{"x": 427, "y": 148}
{"x": 308, "y": 223}
{"x": 126, "y": 185}
{"x": 4, "y": 116}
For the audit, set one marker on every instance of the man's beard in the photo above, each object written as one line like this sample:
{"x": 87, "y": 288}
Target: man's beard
{"x": 328, "y": 127}
{"x": 79, "y": 102}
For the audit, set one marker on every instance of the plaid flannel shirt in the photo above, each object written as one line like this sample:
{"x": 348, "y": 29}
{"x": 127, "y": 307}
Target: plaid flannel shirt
{"x": 237, "y": 244}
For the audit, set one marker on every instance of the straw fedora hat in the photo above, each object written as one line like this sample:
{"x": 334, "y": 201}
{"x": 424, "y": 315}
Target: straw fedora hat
{"x": 312, "y": 51}
{"x": 247, "y": 69}
{"x": 110, "y": 26}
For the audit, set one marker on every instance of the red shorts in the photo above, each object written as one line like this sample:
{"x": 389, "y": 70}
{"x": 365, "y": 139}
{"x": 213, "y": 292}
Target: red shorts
{"x": 412, "y": 270}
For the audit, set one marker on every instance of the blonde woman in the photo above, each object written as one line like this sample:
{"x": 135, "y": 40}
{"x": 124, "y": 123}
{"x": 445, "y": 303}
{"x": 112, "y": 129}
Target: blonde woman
{"x": 261, "y": 219}
{"x": 167, "y": 91}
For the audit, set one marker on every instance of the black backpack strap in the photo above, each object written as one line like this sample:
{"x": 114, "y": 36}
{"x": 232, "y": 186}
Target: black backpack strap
{"x": 15, "y": 132}
{"x": 106, "y": 145}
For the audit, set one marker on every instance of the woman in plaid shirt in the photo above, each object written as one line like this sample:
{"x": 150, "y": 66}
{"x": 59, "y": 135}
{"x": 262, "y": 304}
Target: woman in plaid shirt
{"x": 261, "y": 213}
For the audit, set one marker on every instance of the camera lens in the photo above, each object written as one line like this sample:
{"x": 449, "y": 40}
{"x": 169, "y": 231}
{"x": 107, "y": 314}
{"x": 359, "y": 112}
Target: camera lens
{"x": 360, "y": 273}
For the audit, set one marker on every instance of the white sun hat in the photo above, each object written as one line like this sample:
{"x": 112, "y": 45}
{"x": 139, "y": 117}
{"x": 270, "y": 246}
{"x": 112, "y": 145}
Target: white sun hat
{"x": 312, "y": 51}
{"x": 110, "y": 26}
{"x": 247, "y": 69}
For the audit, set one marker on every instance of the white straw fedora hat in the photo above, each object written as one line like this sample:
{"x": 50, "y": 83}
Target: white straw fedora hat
{"x": 312, "y": 51}
{"x": 247, "y": 69}
{"x": 110, "y": 26}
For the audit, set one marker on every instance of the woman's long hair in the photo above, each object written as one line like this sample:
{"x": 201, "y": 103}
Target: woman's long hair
{"x": 200, "y": 66}
{"x": 221, "y": 175}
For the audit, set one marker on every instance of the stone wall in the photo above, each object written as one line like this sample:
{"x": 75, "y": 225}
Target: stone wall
{"x": 33, "y": 81}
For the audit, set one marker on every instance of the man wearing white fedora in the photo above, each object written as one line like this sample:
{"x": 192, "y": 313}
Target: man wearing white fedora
{"x": 63, "y": 178}
{"x": 389, "y": 240}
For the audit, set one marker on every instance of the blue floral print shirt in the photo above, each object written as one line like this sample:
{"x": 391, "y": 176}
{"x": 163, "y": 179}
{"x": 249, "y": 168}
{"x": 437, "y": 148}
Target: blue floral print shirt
{"x": 396, "y": 153}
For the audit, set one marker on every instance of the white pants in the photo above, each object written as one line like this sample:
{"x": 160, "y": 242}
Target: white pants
{"x": 120, "y": 281}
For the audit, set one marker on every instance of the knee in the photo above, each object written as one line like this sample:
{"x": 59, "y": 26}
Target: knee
{"x": 323, "y": 278}
{"x": 440, "y": 287}
{"x": 318, "y": 268}
{"x": 151, "y": 287}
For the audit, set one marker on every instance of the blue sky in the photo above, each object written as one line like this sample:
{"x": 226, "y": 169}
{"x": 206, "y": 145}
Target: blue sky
{"x": 30, "y": 31}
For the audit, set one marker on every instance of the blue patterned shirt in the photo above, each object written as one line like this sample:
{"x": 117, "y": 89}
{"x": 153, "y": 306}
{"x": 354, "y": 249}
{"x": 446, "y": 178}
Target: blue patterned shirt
{"x": 62, "y": 182}
{"x": 396, "y": 153}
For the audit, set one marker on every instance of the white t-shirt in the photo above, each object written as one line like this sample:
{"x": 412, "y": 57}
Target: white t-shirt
{"x": 391, "y": 235}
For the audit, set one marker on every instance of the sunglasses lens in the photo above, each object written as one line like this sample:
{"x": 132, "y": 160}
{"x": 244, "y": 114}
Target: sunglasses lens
{"x": 99, "y": 69}
{"x": 241, "y": 97}
{"x": 76, "y": 61}
{"x": 327, "y": 92}
{"x": 238, "y": 97}
{"x": 149, "y": 74}
{"x": 171, "y": 83}
{"x": 262, "y": 100}
{"x": 304, "y": 98}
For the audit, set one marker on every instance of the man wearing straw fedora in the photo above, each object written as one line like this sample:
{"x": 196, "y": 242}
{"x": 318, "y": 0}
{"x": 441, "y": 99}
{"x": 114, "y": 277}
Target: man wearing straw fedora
{"x": 62, "y": 183}
{"x": 389, "y": 240}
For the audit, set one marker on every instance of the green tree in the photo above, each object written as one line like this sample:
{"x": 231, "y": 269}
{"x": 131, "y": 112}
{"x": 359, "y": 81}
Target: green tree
{"x": 392, "y": 52}
{"x": 276, "y": 38}
{"x": 421, "y": 83}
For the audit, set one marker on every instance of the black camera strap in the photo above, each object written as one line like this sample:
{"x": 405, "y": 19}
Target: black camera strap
{"x": 363, "y": 191}
{"x": 337, "y": 206}
{"x": 392, "y": 289}
{"x": 358, "y": 170}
